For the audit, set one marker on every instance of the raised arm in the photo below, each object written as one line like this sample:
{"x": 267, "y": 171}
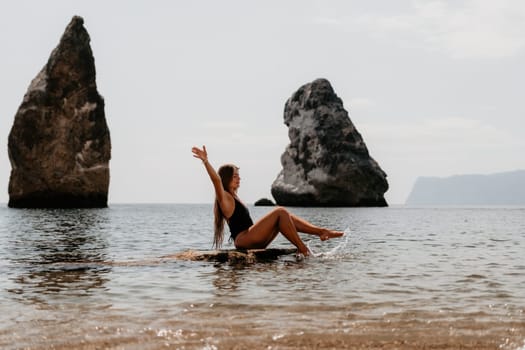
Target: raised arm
{"x": 226, "y": 201}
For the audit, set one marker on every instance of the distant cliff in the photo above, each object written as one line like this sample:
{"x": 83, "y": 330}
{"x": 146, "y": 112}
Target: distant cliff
{"x": 506, "y": 188}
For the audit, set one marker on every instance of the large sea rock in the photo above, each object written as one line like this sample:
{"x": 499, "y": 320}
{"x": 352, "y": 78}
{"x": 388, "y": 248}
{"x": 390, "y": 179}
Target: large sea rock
{"x": 327, "y": 162}
{"x": 59, "y": 145}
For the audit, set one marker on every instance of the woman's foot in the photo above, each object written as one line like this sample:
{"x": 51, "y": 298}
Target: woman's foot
{"x": 327, "y": 234}
{"x": 304, "y": 251}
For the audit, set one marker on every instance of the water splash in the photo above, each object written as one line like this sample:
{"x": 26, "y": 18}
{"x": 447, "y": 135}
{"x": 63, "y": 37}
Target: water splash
{"x": 337, "y": 251}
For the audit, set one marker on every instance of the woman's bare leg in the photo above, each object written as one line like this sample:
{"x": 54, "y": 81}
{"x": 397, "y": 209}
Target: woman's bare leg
{"x": 264, "y": 231}
{"x": 305, "y": 227}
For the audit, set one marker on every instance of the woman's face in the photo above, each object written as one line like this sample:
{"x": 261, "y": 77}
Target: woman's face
{"x": 236, "y": 180}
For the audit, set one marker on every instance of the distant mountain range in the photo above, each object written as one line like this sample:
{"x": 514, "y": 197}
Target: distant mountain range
{"x": 506, "y": 188}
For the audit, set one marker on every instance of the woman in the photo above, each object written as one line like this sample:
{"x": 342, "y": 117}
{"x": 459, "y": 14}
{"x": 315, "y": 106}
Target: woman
{"x": 246, "y": 234}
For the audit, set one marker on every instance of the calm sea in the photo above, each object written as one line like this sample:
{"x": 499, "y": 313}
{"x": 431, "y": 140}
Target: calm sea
{"x": 401, "y": 278}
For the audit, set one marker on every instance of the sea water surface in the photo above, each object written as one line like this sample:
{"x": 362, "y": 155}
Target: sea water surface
{"x": 401, "y": 278}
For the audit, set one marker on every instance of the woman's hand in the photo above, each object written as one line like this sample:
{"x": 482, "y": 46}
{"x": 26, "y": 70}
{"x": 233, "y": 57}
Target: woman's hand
{"x": 200, "y": 153}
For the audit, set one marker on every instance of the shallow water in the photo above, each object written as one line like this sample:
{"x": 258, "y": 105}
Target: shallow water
{"x": 404, "y": 278}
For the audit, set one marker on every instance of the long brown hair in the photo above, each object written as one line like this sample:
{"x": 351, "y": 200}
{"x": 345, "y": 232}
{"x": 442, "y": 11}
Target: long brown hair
{"x": 226, "y": 174}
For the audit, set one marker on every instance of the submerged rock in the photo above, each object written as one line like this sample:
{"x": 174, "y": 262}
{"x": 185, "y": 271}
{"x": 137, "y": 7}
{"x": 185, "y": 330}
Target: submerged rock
{"x": 232, "y": 256}
{"x": 59, "y": 145}
{"x": 327, "y": 162}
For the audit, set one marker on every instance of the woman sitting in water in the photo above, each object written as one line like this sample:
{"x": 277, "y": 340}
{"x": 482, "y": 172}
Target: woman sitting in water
{"x": 246, "y": 234}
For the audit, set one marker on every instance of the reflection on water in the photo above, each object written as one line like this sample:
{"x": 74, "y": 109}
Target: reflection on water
{"x": 227, "y": 279}
{"x": 54, "y": 251}
{"x": 402, "y": 278}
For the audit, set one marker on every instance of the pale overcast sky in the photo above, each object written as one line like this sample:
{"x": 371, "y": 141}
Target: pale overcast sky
{"x": 434, "y": 87}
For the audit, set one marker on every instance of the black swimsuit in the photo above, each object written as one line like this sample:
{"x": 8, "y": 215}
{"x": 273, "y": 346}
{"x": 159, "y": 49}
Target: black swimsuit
{"x": 240, "y": 219}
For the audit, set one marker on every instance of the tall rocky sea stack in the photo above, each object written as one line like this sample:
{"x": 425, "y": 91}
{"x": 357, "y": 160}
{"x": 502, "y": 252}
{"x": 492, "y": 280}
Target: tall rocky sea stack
{"x": 327, "y": 162}
{"x": 59, "y": 145}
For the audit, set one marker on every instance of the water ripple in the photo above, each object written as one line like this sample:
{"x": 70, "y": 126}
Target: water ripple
{"x": 395, "y": 267}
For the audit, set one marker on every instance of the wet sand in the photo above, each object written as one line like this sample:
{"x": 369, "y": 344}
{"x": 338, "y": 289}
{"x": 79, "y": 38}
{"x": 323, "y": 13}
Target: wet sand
{"x": 203, "y": 329}
{"x": 367, "y": 336}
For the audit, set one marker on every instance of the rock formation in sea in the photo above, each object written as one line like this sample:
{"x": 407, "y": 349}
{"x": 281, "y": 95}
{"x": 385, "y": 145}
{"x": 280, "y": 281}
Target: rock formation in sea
{"x": 327, "y": 162}
{"x": 264, "y": 202}
{"x": 59, "y": 145}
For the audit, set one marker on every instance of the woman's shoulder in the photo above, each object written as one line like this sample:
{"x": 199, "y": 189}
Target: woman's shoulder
{"x": 228, "y": 198}
{"x": 227, "y": 204}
